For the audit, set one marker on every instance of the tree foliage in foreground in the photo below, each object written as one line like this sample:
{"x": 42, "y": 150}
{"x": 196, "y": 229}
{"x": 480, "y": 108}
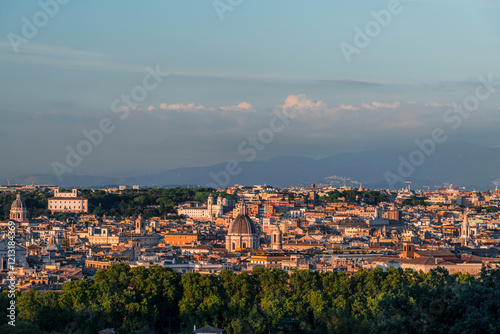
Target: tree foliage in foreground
{"x": 159, "y": 300}
{"x": 36, "y": 203}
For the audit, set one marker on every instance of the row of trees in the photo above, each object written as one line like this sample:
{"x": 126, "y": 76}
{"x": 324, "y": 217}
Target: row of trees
{"x": 159, "y": 300}
{"x": 148, "y": 202}
{"x": 354, "y": 196}
{"x": 416, "y": 201}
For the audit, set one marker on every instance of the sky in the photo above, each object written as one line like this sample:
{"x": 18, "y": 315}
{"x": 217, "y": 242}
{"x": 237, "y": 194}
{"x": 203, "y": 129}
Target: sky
{"x": 350, "y": 76}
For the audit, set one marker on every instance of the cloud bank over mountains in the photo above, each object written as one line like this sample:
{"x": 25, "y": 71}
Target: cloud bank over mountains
{"x": 190, "y": 134}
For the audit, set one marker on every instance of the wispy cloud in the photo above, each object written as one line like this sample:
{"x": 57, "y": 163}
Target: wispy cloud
{"x": 52, "y": 50}
{"x": 352, "y": 82}
{"x": 59, "y": 56}
{"x": 472, "y": 3}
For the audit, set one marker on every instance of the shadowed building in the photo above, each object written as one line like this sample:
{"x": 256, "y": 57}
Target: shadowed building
{"x": 11, "y": 256}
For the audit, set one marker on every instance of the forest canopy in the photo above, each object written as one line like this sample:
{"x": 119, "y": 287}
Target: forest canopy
{"x": 159, "y": 300}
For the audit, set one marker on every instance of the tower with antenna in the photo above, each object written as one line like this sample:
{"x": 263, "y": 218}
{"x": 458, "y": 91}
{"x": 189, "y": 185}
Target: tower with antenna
{"x": 409, "y": 185}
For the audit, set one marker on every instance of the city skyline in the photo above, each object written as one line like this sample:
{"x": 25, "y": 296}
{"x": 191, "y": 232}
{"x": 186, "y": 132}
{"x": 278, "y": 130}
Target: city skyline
{"x": 237, "y": 166}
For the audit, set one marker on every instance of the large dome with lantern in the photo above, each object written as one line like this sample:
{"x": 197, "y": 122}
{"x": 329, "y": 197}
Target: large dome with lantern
{"x": 242, "y": 234}
{"x": 242, "y": 225}
{"x": 18, "y": 209}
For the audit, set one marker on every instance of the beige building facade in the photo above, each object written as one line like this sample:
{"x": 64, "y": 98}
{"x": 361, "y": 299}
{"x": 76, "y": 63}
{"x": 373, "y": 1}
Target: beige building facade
{"x": 68, "y": 202}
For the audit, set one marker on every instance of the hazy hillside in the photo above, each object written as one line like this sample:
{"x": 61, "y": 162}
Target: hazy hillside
{"x": 462, "y": 164}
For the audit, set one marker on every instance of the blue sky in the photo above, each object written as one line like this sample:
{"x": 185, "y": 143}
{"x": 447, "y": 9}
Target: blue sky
{"x": 64, "y": 78}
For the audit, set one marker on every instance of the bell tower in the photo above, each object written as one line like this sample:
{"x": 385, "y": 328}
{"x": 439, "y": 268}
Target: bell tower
{"x": 276, "y": 238}
{"x": 139, "y": 225}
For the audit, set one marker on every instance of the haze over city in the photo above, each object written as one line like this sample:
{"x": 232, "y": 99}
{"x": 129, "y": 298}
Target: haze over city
{"x": 228, "y": 69}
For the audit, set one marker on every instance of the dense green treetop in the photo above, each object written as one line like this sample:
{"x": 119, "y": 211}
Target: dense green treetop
{"x": 354, "y": 196}
{"x": 154, "y": 202}
{"x": 159, "y": 300}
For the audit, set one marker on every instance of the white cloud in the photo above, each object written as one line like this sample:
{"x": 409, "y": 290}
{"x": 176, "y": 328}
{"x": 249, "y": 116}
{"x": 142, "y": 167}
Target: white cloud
{"x": 300, "y": 101}
{"x": 311, "y": 118}
{"x": 379, "y": 105}
{"x": 242, "y": 106}
{"x": 308, "y": 110}
{"x": 348, "y": 107}
{"x": 438, "y": 105}
{"x": 191, "y": 107}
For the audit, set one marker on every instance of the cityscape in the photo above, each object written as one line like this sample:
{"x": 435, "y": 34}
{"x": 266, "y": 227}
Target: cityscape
{"x": 444, "y": 233}
{"x": 249, "y": 167}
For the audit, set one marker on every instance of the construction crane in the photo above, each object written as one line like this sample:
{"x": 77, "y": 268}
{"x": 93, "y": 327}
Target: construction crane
{"x": 409, "y": 184}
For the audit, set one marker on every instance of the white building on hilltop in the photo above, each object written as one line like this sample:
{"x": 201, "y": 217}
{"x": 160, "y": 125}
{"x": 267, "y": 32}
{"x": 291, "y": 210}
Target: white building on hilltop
{"x": 68, "y": 202}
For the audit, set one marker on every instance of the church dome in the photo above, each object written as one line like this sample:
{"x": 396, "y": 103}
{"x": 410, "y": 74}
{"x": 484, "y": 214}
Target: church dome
{"x": 242, "y": 225}
{"x": 18, "y": 203}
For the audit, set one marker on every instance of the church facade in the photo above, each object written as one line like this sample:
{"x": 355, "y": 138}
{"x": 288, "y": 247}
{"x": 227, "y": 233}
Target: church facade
{"x": 210, "y": 210}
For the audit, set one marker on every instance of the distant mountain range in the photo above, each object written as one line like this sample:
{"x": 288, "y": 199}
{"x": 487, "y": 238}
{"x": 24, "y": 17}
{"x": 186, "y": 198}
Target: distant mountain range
{"x": 459, "y": 163}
